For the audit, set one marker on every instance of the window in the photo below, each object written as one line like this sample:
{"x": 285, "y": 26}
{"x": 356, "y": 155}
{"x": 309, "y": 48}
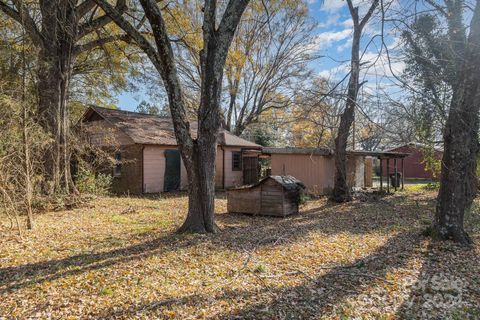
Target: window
{"x": 236, "y": 161}
{"x": 117, "y": 170}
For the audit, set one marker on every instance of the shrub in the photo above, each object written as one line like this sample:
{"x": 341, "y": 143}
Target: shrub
{"x": 89, "y": 182}
{"x": 432, "y": 186}
{"x": 303, "y": 197}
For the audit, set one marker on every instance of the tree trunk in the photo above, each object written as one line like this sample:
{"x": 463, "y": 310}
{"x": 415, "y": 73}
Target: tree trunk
{"x": 458, "y": 184}
{"x": 55, "y": 61}
{"x": 341, "y": 190}
{"x": 201, "y": 191}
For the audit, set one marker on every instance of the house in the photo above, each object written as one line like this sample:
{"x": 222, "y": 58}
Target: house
{"x": 413, "y": 165}
{"x": 147, "y": 156}
{"x": 272, "y": 196}
{"x": 315, "y": 167}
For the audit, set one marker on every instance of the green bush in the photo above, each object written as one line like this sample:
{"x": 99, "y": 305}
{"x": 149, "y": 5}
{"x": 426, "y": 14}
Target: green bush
{"x": 303, "y": 197}
{"x": 432, "y": 186}
{"x": 89, "y": 182}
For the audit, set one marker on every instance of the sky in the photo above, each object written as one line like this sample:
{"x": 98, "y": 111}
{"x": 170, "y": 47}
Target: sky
{"x": 332, "y": 40}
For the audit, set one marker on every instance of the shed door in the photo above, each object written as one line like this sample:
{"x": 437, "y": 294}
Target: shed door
{"x": 250, "y": 170}
{"x": 172, "y": 171}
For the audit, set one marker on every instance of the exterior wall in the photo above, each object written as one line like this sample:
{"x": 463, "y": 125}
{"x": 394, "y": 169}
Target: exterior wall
{"x": 244, "y": 201}
{"x": 414, "y": 168}
{"x": 232, "y": 178}
{"x": 154, "y": 169}
{"x": 318, "y": 172}
{"x": 219, "y": 168}
{"x": 103, "y": 134}
{"x": 315, "y": 171}
{"x": 130, "y": 179}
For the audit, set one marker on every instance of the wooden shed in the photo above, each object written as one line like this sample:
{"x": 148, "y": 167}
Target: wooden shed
{"x": 272, "y": 196}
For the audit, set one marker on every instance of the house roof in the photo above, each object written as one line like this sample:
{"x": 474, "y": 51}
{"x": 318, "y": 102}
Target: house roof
{"x": 295, "y": 150}
{"x": 415, "y": 145}
{"x": 330, "y": 152}
{"x": 157, "y": 130}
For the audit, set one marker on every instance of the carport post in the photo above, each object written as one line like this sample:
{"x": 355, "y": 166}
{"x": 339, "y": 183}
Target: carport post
{"x": 403, "y": 175}
{"x": 395, "y": 170}
{"x": 388, "y": 175}
{"x": 381, "y": 173}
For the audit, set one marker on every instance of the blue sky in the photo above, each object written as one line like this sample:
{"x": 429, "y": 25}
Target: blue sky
{"x": 332, "y": 40}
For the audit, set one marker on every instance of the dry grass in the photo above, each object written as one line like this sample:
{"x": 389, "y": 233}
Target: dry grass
{"x": 120, "y": 258}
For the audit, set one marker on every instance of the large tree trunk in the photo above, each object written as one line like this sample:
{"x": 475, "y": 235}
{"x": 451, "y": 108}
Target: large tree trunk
{"x": 200, "y": 216}
{"x": 55, "y": 61}
{"x": 201, "y": 191}
{"x": 458, "y": 184}
{"x": 341, "y": 190}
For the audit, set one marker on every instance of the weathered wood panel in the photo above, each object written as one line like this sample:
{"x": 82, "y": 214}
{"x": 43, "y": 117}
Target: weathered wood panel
{"x": 244, "y": 201}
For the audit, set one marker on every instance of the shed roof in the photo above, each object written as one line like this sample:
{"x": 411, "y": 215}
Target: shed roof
{"x": 295, "y": 150}
{"x": 153, "y": 129}
{"x": 415, "y": 145}
{"x": 288, "y": 182}
{"x": 330, "y": 152}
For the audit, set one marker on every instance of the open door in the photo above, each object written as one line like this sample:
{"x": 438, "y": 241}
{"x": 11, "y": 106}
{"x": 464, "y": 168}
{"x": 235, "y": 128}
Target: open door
{"x": 251, "y": 170}
{"x": 172, "y": 171}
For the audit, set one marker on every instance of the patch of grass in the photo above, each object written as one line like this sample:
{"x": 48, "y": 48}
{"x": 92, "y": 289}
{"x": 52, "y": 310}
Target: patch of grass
{"x": 106, "y": 292}
{"x": 260, "y": 268}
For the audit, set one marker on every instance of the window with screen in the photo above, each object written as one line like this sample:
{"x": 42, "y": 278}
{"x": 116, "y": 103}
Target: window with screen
{"x": 236, "y": 161}
{"x": 117, "y": 170}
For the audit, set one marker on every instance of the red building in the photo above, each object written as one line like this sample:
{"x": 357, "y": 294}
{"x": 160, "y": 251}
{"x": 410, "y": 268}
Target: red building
{"x": 414, "y": 167}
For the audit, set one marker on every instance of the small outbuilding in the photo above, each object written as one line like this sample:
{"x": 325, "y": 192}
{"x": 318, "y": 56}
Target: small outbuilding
{"x": 272, "y": 196}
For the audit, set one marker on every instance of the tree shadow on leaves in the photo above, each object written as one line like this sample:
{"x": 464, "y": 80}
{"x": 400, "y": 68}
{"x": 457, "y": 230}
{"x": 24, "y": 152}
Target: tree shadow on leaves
{"x": 447, "y": 286}
{"x": 315, "y": 296}
{"x": 240, "y": 233}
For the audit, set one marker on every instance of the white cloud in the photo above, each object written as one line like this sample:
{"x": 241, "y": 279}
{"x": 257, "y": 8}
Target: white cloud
{"x": 342, "y": 47}
{"x": 332, "y": 5}
{"x": 326, "y": 39}
{"x": 348, "y": 23}
{"x": 331, "y": 21}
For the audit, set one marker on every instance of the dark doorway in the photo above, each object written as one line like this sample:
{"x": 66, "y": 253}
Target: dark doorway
{"x": 251, "y": 170}
{"x": 172, "y": 171}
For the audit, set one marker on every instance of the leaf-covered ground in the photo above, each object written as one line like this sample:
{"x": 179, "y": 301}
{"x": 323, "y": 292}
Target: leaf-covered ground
{"x": 120, "y": 258}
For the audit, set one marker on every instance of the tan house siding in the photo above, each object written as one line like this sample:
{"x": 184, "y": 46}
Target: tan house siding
{"x": 219, "y": 168}
{"x": 154, "y": 169}
{"x": 232, "y": 178}
{"x": 315, "y": 171}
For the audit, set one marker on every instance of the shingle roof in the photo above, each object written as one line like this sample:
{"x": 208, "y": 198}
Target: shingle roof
{"x": 288, "y": 182}
{"x": 153, "y": 129}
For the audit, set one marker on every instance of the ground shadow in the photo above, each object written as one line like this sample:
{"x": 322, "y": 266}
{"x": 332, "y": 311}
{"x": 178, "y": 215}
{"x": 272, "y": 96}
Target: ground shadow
{"x": 312, "y": 299}
{"x": 447, "y": 287}
{"x": 239, "y": 233}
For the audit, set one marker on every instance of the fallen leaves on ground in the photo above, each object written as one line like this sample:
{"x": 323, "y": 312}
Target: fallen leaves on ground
{"x": 121, "y": 258}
